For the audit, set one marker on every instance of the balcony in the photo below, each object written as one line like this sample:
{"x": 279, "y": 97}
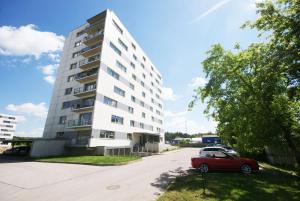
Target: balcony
{"x": 91, "y": 39}
{"x": 89, "y": 51}
{"x": 84, "y": 105}
{"x": 85, "y": 91}
{"x": 90, "y": 62}
{"x": 82, "y": 124}
{"x": 87, "y": 76}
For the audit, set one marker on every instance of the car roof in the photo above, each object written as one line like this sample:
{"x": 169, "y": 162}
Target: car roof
{"x": 213, "y": 147}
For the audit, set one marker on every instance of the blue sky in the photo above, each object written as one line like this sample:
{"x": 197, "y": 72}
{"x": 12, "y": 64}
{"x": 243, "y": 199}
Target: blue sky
{"x": 175, "y": 34}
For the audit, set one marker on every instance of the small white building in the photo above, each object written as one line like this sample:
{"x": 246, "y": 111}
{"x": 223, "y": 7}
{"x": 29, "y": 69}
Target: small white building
{"x": 7, "y": 127}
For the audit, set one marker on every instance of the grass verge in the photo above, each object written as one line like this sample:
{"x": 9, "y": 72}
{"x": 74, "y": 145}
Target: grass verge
{"x": 272, "y": 183}
{"x": 90, "y": 160}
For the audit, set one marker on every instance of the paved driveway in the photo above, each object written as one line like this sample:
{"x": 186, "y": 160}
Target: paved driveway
{"x": 139, "y": 181}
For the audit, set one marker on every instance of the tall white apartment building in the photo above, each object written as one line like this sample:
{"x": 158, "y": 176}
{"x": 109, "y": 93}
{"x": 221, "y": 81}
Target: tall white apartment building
{"x": 107, "y": 92}
{"x": 7, "y": 127}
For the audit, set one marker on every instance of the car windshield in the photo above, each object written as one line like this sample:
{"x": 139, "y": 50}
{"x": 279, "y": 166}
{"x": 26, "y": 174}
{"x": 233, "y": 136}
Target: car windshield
{"x": 228, "y": 148}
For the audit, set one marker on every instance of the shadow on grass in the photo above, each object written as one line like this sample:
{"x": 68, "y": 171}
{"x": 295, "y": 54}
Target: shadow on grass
{"x": 266, "y": 185}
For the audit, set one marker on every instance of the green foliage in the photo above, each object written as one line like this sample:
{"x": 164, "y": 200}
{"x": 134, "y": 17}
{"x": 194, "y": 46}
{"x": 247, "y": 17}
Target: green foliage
{"x": 254, "y": 93}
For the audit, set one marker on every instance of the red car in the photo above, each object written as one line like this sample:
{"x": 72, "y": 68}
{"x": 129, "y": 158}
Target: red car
{"x": 224, "y": 161}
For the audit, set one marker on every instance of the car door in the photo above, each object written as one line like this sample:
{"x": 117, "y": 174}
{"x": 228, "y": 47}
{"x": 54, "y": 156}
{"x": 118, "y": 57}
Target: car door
{"x": 224, "y": 161}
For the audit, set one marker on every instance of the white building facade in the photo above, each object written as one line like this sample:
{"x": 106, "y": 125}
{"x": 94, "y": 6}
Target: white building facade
{"x": 107, "y": 91}
{"x": 7, "y": 127}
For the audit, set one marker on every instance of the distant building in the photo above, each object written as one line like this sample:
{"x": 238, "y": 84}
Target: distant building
{"x": 7, "y": 127}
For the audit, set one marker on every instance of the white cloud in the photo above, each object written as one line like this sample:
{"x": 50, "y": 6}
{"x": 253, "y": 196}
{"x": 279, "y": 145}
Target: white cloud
{"x": 50, "y": 79}
{"x": 178, "y": 121}
{"x": 54, "y": 57}
{"x": 211, "y": 10}
{"x": 49, "y": 69}
{"x": 36, "y": 132}
{"x": 29, "y": 109}
{"x": 169, "y": 113}
{"x": 21, "y": 118}
{"x": 198, "y": 82}
{"x": 28, "y": 40}
{"x": 168, "y": 94}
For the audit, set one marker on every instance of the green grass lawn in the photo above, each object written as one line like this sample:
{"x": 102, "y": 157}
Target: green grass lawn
{"x": 272, "y": 184}
{"x": 91, "y": 160}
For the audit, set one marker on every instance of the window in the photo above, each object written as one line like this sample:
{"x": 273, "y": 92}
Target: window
{"x": 68, "y": 91}
{"x": 132, "y": 65}
{"x": 159, "y": 105}
{"x": 122, "y": 44}
{"x": 62, "y": 120}
{"x": 107, "y": 134}
{"x": 142, "y": 83}
{"x": 121, "y": 66}
{"x": 152, "y": 84}
{"x": 117, "y": 27}
{"x": 142, "y": 103}
{"x": 144, "y": 94}
{"x": 130, "y": 109}
{"x": 132, "y": 98}
{"x": 142, "y": 65}
{"x": 132, "y": 123}
{"x": 152, "y": 100}
{"x": 71, "y": 78}
{"x": 151, "y": 91}
{"x": 109, "y": 101}
{"x": 131, "y": 86}
{"x": 116, "y": 119}
{"x": 73, "y": 66}
{"x": 78, "y": 43}
{"x": 151, "y": 74}
{"x": 133, "y": 76}
{"x": 151, "y": 108}
{"x": 60, "y": 134}
{"x": 144, "y": 58}
{"x": 76, "y": 54}
{"x": 152, "y": 68}
{"x": 144, "y": 76}
{"x": 152, "y": 118}
{"x": 66, "y": 104}
{"x": 157, "y": 96}
{"x": 129, "y": 136}
{"x": 119, "y": 91}
{"x": 135, "y": 58}
{"x": 143, "y": 114}
{"x": 157, "y": 112}
{"x": 113, "y": 73}
{"x": 159, "y": 90}
{"x": 158, "y": 129}
{"x": 80, "y": 33}
{"x": 115, "y": 48}
{"x": 133, "y": 46}
{"x": 141, "y": 125}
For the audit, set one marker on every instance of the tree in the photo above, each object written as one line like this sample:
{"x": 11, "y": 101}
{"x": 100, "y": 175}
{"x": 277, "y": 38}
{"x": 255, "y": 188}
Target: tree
{"x": 254, "y": 93}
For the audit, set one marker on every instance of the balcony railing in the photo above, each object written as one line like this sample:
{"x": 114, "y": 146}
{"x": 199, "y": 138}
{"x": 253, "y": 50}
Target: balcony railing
{"x": 92, "y": 36}
{"x": 81, "y": 90}
{"x": 84, "y": 105}
{"x": 89, "y": 61}
{"x": 87, "y": 51}
{"x": 79, "y": 123}
{"x": 86, "y": 76}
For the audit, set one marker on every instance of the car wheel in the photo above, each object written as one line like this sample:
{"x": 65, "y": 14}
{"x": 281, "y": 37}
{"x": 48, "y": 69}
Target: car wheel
{"x": 246, "y": 169}
{"x": 203, "y": 168}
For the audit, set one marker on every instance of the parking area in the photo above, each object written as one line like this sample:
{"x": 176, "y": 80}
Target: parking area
{"x": 142, "y": 180}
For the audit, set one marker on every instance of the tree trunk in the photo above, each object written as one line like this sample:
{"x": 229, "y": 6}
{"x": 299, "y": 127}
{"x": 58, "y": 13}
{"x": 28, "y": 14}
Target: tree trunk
{"x": 291, "y": 145}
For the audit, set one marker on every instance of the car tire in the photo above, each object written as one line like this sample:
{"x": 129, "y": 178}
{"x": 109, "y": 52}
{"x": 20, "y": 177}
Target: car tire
{"x": 203, "y": 168}
{"x": 246, "y": 169}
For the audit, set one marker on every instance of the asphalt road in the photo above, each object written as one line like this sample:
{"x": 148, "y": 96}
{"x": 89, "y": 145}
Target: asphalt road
{"x": 139, "y": 181}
